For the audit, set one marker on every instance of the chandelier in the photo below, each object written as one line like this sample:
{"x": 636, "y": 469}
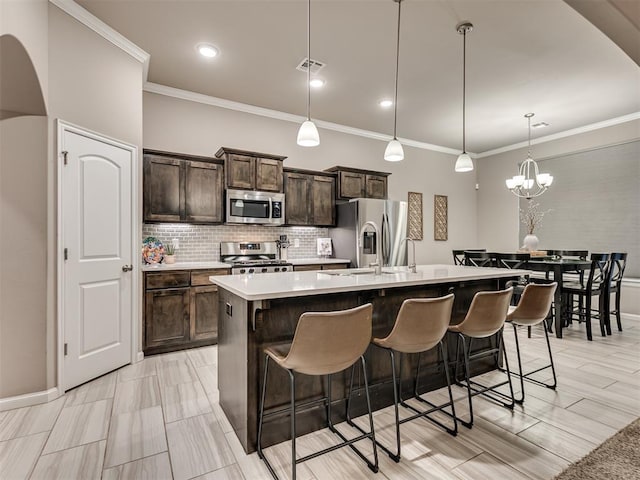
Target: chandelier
{"x": 529, "y": 182}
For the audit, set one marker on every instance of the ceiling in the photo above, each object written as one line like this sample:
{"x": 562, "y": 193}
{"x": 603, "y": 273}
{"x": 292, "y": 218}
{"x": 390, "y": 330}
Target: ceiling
{"x": 522, "y": 56}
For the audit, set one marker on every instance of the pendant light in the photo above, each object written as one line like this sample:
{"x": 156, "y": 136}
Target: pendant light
{"x": 308, "y": 133}
{"x": 394, "y": 151}
{"x": 528, "y": 184}
{"x": 464, "y": 162}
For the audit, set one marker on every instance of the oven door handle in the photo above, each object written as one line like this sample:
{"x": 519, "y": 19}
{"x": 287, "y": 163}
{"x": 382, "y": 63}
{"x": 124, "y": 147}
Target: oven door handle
{"x": 270, "y": 209}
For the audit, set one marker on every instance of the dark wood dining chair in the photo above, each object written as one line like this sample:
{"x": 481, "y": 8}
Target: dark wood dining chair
{"x": 618, "y": 264}
{"x": 458, "y": 255}
{"x": 478, "y": 259}
{"x": 514, "y": 261}
{"x": 595, "y": 285}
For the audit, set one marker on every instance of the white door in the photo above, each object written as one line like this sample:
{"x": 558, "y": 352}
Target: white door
{"x": 96, "y": 239}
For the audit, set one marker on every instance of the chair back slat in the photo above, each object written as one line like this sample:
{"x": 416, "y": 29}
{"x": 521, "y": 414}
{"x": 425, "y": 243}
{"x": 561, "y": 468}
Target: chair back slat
{"x": 478, "y": 259}
{"x": 458, "y": 255}
{"x": 512, "y": 260}
{"x": 599, "y": 270}
{"x": 618, "y": 264}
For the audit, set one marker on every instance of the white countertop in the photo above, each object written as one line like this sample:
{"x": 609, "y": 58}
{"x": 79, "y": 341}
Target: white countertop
{"x": 297, "y": 284}
{"x": 162, "y": 267}
{"x": 153, "y": 267}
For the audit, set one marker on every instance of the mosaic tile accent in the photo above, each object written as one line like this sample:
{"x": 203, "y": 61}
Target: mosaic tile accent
{"x": 202, "y": 242}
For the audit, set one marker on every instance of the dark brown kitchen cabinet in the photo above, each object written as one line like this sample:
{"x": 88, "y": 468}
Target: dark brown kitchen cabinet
{"x": 163, "y": 189}
{"x": 166, "y": 317}
{"x": 357, "y": 183}
{"x": 309, "y": 198}
{"x": 247, "y": 170}
{"x": 180, "y": 310}
{"x": 182, "y": 188}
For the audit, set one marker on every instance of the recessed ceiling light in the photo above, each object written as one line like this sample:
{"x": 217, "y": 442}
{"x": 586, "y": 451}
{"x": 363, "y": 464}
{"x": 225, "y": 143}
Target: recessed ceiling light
{"x": 207, "y": 50}
{"x": 317, "y": 83}
{"x": 386, "y": 103}
{"x": 540, "y": 125}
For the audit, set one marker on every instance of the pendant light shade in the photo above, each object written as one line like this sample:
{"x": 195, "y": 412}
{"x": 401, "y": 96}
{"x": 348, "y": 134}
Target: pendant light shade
{"x": 464, "y": 162}
{"x": 308, "y": 133}
{"x": 394, "y": 151}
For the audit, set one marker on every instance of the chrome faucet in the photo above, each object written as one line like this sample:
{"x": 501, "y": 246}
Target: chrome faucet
{"x": 411, "y": 266}
{"x": 378, "y": 265}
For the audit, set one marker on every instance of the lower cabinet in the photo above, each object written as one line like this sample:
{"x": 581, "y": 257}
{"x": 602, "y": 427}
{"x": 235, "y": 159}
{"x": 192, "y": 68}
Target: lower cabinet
{"x": 180, "y": 310}
{"x": 321, "y": 266}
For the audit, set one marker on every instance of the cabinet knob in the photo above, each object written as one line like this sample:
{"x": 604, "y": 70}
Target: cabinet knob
{"x": 127, "y": 268}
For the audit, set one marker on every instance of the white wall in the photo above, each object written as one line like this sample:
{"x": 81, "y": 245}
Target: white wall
{"x": 181, "y": 126}
{"x": 23, "y": 216}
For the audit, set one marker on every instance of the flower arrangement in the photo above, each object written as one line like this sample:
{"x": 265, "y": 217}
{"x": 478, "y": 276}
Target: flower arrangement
{"x": 532, "y": 216}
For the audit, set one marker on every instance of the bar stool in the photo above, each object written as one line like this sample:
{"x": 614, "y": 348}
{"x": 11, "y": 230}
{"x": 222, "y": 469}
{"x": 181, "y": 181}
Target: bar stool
{"x": 486, "y": 317}
{"x": 421, "y": 324}
{"x": 324, "y": 343}
{"x": 532, "y": 310}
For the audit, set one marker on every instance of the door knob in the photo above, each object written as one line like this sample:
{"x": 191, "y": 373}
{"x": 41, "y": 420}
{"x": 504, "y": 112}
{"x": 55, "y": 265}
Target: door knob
{"x": 127, "y": 268}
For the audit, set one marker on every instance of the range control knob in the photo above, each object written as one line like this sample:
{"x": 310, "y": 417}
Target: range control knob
{"x": 277, "y": 269}
{"x": 284, "y": 269}
{"x": 242, "y": 270}
{"x": 264, "y": 269}
{"x": 251, "y": 270}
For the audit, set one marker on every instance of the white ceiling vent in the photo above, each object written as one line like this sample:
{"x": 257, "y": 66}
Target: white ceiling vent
{"x": 315, "y": 65}
{"x": 540, "y": 125}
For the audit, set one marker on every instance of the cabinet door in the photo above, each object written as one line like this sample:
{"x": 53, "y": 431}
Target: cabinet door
{"x": 297, "y": 199}
{"x": 323, "y": 201}
{"x": 163, "y": 189}
{"x": 204, "y": 313}
{"x": 352, "y": 185}
{"x": 376, "y": 186}
{"x": 268, "y": 175}
{"x": 203, "y": 192}
{"x": 166, "y": 317}
{"x": 241, "y": 172}
{"x": 306, "y": 268}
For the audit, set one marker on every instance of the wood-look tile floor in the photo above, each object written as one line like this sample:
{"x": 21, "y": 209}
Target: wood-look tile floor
{"x": 160, "y": 419}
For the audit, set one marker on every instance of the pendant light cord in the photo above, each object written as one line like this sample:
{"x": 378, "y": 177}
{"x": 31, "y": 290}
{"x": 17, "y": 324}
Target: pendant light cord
{"x": 309, "y": 60}
{"x": 464, "y": 90}
{"x": 395, "y": 101}
{"x": 529, "y": 148}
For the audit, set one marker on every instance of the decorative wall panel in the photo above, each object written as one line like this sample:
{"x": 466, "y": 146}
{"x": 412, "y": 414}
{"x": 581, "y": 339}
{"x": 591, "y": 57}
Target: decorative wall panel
{"x": 440, "y": 217}
{"x": 414, "y": 228}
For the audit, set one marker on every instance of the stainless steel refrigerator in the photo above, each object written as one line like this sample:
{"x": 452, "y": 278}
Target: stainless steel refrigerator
{"x": 391, "y": 218}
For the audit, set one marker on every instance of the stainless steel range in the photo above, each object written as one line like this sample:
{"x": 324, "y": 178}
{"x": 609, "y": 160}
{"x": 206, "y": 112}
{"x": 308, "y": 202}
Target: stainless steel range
{"x": 253, "y": 257}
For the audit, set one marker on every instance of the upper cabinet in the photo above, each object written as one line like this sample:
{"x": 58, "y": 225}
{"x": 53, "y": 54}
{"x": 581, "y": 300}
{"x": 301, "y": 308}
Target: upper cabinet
{"x": 182, "y": 188}
{"x": 252, "y": 170}
{"x": 357, "y": 183}
{"x": 310, "y": 197}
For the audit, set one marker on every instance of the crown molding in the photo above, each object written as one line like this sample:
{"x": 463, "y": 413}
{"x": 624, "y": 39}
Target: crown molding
{"x": 567, "y": 133}
{"x": 105, "y": 31}
{"x": 287, "y": 117}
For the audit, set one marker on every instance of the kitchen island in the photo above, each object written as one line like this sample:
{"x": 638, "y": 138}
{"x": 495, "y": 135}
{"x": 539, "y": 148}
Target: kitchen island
{"x": 257, "y": 311}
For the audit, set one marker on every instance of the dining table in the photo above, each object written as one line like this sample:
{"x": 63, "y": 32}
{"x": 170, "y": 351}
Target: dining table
{"x": 558, "y": 266}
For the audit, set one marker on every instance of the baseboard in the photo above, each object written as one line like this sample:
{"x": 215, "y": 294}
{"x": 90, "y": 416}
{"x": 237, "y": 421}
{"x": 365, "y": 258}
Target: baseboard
{"x": 28, "y": 399}
{"x": 139, "y": 357}
{"x": 630, "y": 316}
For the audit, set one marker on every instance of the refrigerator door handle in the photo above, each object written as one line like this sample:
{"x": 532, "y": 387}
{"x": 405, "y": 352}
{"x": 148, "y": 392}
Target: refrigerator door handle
{"x": 385, "y": 240}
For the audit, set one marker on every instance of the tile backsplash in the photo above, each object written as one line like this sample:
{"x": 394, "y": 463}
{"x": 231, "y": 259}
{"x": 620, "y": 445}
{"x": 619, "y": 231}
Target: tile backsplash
{"x": 202, "y": 242}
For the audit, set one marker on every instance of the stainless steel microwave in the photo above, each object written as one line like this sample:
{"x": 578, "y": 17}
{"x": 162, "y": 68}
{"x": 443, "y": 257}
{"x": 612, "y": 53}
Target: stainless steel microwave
{"x": 248, "y": 206}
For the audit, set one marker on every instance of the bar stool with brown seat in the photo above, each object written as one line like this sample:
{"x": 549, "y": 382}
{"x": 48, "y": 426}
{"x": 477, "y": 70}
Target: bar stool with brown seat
{"x": 532, "y": 309}
{"x": 485, "y": 317}
{"x": 324, "y": 343}
{"x": 421, "y": 325}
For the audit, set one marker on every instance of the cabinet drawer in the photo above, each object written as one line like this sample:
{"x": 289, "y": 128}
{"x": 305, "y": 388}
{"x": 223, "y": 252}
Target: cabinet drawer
{"x": 201, "y": 277}
{"x": 335, "y": 266}
{"x": 166, "y": 279}
{"x": 306, "y": 268}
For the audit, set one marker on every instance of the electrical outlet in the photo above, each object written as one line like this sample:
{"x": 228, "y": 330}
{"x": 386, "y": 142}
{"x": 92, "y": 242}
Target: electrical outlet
{"x": 296, "y": 242}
